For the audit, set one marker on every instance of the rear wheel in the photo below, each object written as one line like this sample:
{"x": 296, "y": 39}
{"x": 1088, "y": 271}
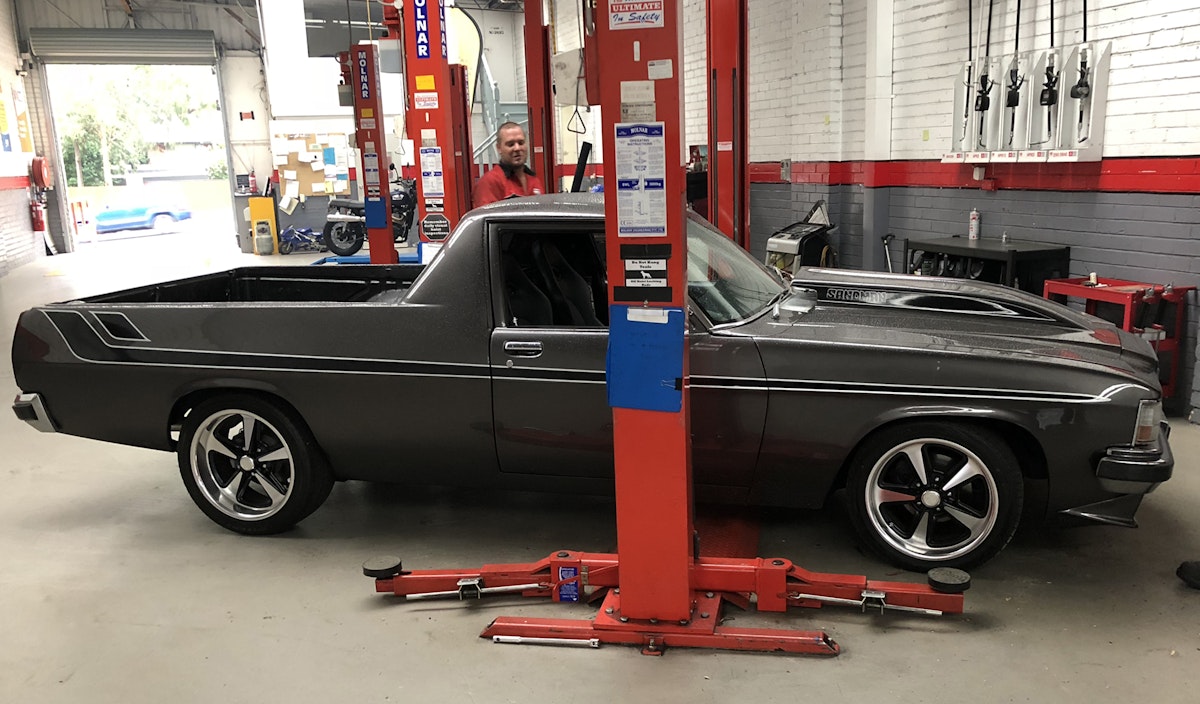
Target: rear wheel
{"x": 343, "y": 238}
{"x": 251, "y": 465}
{"x": 925, "y": 495}
{"x": 162, "y": 221}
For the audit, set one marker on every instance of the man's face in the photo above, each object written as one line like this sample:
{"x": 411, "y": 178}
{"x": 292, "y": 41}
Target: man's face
{"x": 511, "y": 146}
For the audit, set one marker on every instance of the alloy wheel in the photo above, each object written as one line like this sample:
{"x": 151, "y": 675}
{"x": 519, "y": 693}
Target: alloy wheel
{"x": 932, "y": 499}
{"x": 242, "y": 465}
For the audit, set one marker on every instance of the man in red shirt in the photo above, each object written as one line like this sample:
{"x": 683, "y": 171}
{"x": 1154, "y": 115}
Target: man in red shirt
{"x": 513, "y": 178}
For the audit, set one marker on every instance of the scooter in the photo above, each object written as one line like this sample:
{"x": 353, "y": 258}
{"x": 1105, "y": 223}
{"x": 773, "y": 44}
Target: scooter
{"x": 345, "y": 228}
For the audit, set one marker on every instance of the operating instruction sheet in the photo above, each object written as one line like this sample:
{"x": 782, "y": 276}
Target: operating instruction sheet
{"x": 641, "y": 180}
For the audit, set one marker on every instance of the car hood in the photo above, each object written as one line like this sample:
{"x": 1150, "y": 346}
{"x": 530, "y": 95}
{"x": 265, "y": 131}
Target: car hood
{"x": 921, "y": 314}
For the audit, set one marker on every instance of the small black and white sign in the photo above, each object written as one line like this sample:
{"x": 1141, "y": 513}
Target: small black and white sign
{"x": 435, "y": 205}
{"x": 435, "y": 227}
{"x": 645, "y": 273}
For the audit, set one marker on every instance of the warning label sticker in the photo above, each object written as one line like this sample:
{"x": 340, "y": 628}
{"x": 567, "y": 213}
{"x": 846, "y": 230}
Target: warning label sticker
{"x": 635, "y": 15}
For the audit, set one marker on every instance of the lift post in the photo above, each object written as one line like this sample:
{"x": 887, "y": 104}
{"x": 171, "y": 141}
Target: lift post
{"x": 728, "y": 117}
{"x": 657, "y": 592}
{"x": 539, "y": 89}
{"x": 369, "y": 136}
{"x": 442, "y": 199}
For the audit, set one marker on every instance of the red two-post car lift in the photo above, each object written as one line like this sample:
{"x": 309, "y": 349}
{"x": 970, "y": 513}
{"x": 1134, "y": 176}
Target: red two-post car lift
{"x": 657, "y": 592}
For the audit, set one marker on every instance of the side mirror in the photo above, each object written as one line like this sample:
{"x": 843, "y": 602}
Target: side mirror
{"x": 801, "y": 301}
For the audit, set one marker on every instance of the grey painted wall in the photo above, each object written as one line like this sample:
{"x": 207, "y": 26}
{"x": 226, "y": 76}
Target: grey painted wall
{"x": 1146, "y": 237}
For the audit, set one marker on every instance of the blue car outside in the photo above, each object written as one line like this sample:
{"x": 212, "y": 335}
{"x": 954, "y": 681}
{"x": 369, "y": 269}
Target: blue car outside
{"x": 142, "y": 218}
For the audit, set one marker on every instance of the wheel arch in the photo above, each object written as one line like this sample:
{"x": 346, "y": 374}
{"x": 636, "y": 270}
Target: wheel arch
{"x": 1031, "y": 458}
{"x": 195, "y": 394}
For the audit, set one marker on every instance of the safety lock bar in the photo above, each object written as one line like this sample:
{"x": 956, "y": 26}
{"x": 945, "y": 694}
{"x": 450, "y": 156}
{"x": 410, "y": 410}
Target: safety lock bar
{"x": 534, "y": 640}
{"x": 870, "y": 598}
{"x": 472, "y": 588}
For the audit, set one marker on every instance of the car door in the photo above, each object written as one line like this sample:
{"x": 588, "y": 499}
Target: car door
{"x": 549, "y": 396}
{"x": 549, "y": 399}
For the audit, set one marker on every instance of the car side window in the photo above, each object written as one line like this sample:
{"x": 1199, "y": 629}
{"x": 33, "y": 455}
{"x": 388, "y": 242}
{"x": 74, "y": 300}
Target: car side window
{"x": 553, "y": 279}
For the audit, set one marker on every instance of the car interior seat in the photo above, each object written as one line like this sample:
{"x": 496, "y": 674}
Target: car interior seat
{"x": 527, "y": 304}
{"x": 570, "y": 294}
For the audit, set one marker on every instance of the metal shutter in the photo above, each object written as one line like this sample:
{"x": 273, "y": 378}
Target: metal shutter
{"x": 123, "y": 46}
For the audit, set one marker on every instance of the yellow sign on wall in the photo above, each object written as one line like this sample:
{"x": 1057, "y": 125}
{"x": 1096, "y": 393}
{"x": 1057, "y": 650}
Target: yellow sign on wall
{"x": 22, "y": 112}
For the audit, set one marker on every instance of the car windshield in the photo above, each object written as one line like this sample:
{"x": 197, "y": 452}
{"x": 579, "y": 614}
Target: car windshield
{"x": 723, "y": 280}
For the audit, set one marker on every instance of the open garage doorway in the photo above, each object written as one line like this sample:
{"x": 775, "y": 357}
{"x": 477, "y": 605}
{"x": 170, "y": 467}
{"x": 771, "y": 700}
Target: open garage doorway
{"x": 143, "y": 151}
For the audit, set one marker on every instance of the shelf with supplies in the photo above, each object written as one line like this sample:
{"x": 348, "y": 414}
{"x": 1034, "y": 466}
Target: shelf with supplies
{"x": 1154, "y": 311}
{"x": 1018, "y": 263}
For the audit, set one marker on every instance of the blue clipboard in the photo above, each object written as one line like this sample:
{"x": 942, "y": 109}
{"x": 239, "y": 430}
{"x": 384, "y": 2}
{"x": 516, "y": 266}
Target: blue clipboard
{"x": 645, "y": 358}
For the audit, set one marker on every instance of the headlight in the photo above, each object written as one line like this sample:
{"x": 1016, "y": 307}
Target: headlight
{"x": 1148, "y": 418}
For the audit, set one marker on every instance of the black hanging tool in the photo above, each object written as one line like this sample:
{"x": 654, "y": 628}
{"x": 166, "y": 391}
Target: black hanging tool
{"x": 983, "y": 101}
{"x": 970, "y": 82}
{"x": 1082, "y": 89}
{"x": 1015, "y": 81}
{"x": 1049, "y": 96}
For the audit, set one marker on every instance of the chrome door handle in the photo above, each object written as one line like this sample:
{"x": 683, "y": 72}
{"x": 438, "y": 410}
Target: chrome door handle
{"x": 523, "y": 349}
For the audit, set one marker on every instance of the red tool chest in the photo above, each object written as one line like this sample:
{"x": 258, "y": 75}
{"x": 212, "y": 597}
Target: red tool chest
{"x": 1157, "y": 312}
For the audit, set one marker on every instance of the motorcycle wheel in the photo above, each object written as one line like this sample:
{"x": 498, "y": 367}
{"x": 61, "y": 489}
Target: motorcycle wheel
{"x": 343, "y": 238}
{"x": 401, "y": 226}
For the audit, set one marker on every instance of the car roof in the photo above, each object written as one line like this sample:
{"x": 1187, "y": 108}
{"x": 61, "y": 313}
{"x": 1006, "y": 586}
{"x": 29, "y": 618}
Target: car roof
{"x": 579, "y": 204}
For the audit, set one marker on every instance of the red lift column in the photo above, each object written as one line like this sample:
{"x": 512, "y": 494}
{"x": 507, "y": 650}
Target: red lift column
{"x": 369, "y": 136}
{"x": 657, "y": 592}
{"x": 641, "y": 97}
{"x": 728, "y": 136}
{"x": 430, "y": 123}
{"x": 540, "y": 97}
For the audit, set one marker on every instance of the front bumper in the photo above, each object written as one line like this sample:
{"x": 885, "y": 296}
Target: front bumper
{"x": 32, "y": 409}
{"x": 1137, "y": 470}
{"x": 1131, "y": 472}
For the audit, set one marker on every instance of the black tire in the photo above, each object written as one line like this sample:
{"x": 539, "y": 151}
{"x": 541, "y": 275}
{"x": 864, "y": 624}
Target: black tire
{"x": 344, "y": 238}
{"x": 259, "y": 485}
{"x": 958, "y": 509}
{"x": 285, "y": 248}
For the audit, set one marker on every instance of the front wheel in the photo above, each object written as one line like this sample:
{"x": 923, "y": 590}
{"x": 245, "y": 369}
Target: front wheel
{"x": 251, "y": 465}
{"x": 926, "y": 495}
{"x": 344, "y": 238}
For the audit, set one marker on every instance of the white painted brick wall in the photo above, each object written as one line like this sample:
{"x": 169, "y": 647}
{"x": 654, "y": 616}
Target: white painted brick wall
{"x": 695, "y": 79}
{"x": 1154, "y": 76}
{"x": 807, "y": 71}
{"x": 17, "y": 242}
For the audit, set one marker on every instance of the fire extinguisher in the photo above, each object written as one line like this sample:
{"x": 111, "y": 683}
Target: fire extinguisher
{"x": 253, "y": 183}
{"x": 37, "y": 213}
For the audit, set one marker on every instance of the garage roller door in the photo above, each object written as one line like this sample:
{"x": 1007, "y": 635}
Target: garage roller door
{"x": 123, "y": 46}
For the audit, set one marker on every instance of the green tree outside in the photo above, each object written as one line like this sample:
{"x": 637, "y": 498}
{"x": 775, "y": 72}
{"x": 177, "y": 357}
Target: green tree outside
{"x": 110, "y": 112}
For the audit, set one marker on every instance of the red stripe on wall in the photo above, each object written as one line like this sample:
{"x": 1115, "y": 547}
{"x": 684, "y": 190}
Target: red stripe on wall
{"x": 12, "y": 183}
{"x": 1136, "y": 175}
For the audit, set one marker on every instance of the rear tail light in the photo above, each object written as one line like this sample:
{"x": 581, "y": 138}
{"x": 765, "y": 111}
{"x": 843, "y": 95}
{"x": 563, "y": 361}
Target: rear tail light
{"x": 1148, "y": 418}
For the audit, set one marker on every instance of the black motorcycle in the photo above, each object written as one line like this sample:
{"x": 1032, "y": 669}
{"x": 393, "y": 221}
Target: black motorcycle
{"x": 345, "y": 225}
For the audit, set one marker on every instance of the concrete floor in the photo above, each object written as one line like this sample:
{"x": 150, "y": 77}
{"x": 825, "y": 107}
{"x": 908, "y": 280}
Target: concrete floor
{"x": 114, "y": 587}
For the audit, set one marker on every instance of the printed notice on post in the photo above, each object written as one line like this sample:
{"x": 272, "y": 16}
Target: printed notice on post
{"x": 641, "y": 178}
